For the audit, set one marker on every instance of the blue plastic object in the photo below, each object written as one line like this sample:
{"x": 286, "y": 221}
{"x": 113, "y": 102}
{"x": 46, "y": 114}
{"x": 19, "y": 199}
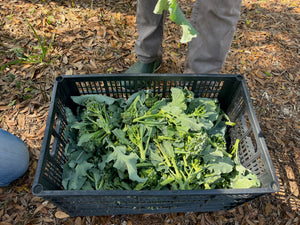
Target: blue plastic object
{"x": 14, "y": 158}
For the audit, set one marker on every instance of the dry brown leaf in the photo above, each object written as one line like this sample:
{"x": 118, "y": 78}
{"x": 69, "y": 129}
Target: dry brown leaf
{"x": 32, "y": 73}
{"x": 250, "y": 222}
{"x": 65, "y": 59}
{"x": 61, "y": 215}
{"x": 108, "y": 55}
{"x": 289, "y": 222}
{"x": 292, "y": 182}
{"x": 48, "y": 220}
{"x": 77, "y": 221}
{"x": 208, "y": 218}
{"x": 36, "y": 199}
{"x": 5, "y": 223}
{"x": 51, "y": 206}
{"x": 40, "y": 132}
{"x": 118, "y": 16}
{"x": 88, "y": 43}
{"x": 38, "y": 209}
{"x": 261, "y": 81}
{"x": 11, "y": 124}
{"x": 69, "y": 71}
{"x": 93, "y": 63}
{"x": 21, "y": 121}
{"x": 268, "y": 208}
{"x": 291, "y": 215}
{"x": 113, "y": 43}
{"x": 260, "y": 220}
{"x": 61, "y": 17}
{"x": 241, "y": 211}
{"x": 93, "y": 19}
{"x": 4, "y": 107}
{"x": 130, "y": 20}
{"x": 78, "y": 65}
{"x": 101, "y": 31}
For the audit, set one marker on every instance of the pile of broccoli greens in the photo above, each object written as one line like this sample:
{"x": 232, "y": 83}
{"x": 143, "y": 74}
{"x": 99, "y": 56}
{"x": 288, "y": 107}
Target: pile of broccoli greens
{"x": 151, "y": 143}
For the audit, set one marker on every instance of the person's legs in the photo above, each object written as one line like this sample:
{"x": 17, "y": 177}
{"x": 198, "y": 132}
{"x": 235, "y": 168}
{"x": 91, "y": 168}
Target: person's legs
{"x": 148, "y": 46}
{"x": 216, "y": 21}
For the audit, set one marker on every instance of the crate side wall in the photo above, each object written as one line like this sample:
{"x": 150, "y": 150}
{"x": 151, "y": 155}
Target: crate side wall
{"x": 122, "y": 204}
{"x": 50, "y": 173}
{"x": 251, "y": 152}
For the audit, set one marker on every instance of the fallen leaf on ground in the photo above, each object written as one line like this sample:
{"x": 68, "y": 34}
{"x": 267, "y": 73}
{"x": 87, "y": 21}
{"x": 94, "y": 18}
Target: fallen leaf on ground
{"x": 61, "y": 215}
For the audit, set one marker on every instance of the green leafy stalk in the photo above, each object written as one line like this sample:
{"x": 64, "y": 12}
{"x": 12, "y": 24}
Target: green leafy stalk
{"x": 136, "y": 134}
{"x": 177, "y": 16}
{"x": 244, "y": 178}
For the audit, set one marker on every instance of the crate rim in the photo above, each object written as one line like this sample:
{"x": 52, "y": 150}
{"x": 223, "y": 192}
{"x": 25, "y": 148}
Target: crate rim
{"x": 38, "y": 191}
{"x": 183, "y": 76}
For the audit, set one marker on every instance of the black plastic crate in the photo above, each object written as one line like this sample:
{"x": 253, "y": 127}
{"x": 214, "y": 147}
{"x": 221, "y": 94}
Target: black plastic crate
{"x": 234, "y": 98}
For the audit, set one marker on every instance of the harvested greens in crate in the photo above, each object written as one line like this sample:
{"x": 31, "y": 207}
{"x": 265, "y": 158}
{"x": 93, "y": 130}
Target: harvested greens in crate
{"x": 118, "y": 144}
{"x": 147, "y": 143}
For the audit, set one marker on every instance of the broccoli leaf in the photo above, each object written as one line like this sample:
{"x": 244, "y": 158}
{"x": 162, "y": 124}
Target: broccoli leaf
{"x": 187, "y": 123}
{"x": 177, "y": 16}
{"x": 121, "y": 136}
{"x": 84, "y": 99}
{"x": 178, "y": 98}
{"x": 74, "y": 180}
{"x": 155, "y": 157}
{"x": 125, "y": 162}
{"x": 220, "y": 165}
{"x": 85, "y": 138}
{"x": 244, "y": 178}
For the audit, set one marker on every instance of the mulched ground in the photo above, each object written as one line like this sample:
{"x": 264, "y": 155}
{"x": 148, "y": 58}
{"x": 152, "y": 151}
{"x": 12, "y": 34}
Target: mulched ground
{"x": 98, "y": 37}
